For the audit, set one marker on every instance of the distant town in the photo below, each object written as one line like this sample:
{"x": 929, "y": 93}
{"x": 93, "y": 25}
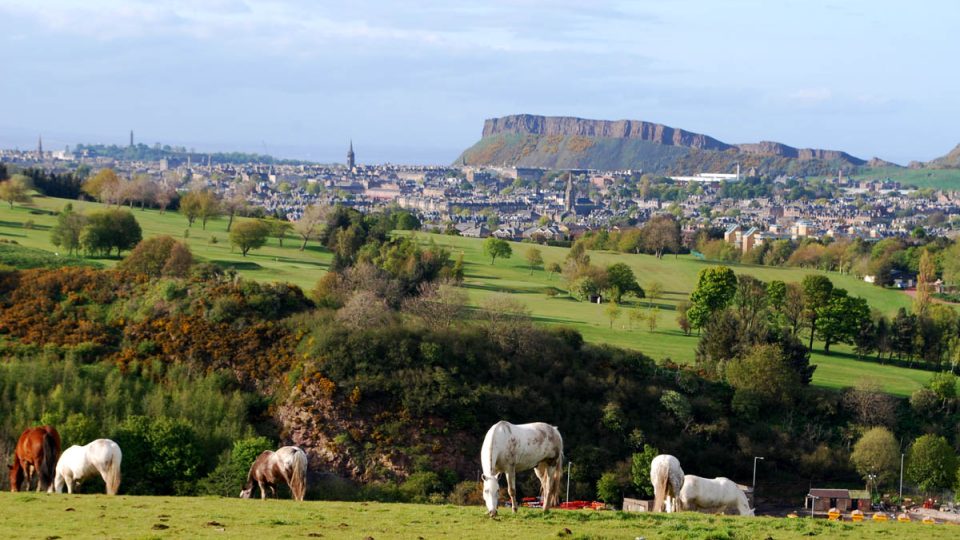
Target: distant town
{"x": 537, "y": 204}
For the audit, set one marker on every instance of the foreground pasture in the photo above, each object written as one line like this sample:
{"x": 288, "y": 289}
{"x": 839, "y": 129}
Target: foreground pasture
{"x": 98, "y": 516}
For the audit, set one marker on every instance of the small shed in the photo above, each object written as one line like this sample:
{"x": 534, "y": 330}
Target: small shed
{"x": 860, "y": 499}
{"x": 843, "y": 500}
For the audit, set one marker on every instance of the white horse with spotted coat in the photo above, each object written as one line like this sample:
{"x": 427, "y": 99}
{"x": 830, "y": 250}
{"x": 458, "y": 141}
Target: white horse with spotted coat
{"x": 667, "y": 479}
{"x": 508, "y": 448}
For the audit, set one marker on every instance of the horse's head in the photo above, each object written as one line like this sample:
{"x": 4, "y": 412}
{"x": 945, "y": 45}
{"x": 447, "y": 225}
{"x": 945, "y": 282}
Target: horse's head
{"x": 15, "y": 477}
{"x": 245, "y": 494}
{"x": 491, "y": 493}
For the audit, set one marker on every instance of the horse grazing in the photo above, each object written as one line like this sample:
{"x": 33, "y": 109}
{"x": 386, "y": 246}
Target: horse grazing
{"x": 36, "y": 453}
{"x": 79, "y": 462}
{"x": 713, "y": 495}
{"x": 508, "y": 448}
{"x": 288, "y": 464}
{"x": 667, "y": 479}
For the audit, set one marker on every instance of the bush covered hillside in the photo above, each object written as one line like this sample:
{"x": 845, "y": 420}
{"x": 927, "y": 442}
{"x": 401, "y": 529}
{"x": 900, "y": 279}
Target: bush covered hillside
{"x": 389, "y": 380}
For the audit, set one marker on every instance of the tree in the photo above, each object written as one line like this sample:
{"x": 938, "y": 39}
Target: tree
{"x": 209, "y": 207}
{"x": 16, "y": 189}
{"x": 109, "y": 230}
{"x": 554, "y": 268}
{"x": 925, "y": 279}
{"x": 249, "y": 235}
{"x": 876, "y": 455}
{"x": 311, "y": 223}
{"x": 494, "y": 247}
{"x": 816, "y": 292}
{"x": 67, "y": 232}
{"x": 652, "y": 319}
{"x": 102, "y": 185}
{"x": 164, "y": 195}
{"x": 870, "y": 405}
{"x": 190, "y": 207}
{"x": 653, "y": 292}
{"x": 159, "y": 256}
{"x": 683, "y": 321}
{"x": 931, "y": 463}
{"x": 763, "y": 373}
{"x": 236, "y": 202}
{"x": 662, "y": 233}
{"x": 534, "y": 258}
{"x": 640, "y": 469}
{"x": 621, "y": 281}
{"x": 279, "y": 228}
{"x": 613, "y": 313}
{"x": 715, "y": 289}
{"x": 840, "y": 318}
{"x": 951, "y": 264}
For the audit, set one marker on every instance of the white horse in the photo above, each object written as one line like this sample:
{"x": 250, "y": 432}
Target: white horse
{"x": 508, "y": 448}
{"x": 79, "y": 462}
{"x": 667, "y": 479}
{"x": 289, "y": 464}
{"x": 713, "y": 495}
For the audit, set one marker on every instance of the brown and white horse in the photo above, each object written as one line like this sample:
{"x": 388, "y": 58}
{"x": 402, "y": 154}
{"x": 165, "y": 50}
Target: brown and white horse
{"x": 288, "y": 464}
{"x": 37, "y": 452}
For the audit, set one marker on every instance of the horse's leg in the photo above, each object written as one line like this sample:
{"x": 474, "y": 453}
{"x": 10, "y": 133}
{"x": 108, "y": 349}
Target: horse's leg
{"x": 542, "y": 471}
{"x": 511, "y": 475}
{"x": 263, "y": 492}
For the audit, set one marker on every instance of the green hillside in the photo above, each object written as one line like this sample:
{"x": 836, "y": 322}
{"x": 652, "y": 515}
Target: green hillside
{"x": 510, "y": 276}
{"x": 948, "y": 179}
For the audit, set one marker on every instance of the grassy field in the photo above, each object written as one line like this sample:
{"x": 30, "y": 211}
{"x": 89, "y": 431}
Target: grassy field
{"x": 98, "y": 516}
{"x": 677, "y": 276}
{"x": 948, "y": 179}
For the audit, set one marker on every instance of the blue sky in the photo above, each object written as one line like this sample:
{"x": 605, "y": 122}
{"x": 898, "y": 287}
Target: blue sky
{"x": 413, "y": 81}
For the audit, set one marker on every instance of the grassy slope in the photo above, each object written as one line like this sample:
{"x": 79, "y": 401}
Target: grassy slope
{"x": 677, "y": 275}
{"x": 97, "y": 516}
{"x": 925, "y": 178}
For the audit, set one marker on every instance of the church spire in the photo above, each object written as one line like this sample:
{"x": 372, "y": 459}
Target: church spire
{"x": 40, "y": 146}
{"x": 351, "y": 161}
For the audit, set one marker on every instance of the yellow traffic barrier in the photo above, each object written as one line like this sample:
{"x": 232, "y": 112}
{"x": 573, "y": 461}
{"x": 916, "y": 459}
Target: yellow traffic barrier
{"x": 856, "y": 515}
{"x": 903, "y": 518}
{"x": 880, "y": 516}
{"x": 929, "y": 521}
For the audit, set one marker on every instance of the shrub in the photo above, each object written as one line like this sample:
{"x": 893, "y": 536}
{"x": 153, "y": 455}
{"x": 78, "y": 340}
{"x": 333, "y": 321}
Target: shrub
{"x": 420, "y": 485}
{"x": 466, "y": 493}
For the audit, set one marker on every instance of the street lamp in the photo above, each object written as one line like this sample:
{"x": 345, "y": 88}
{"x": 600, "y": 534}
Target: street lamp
{"x": 901, "y": 478}
{"x": 754, "y": 486}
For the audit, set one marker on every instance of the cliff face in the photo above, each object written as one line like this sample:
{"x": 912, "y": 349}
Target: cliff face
{"x": 527, "y": 124}
{"x": 568, "y": 142}
{"x": 949, "y": 161}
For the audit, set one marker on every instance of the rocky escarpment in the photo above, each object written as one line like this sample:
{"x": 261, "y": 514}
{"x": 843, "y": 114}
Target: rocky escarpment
{"x": 567, "y": 126}
{"x": 568, "y": 142}
{"x": 949, "y": 161}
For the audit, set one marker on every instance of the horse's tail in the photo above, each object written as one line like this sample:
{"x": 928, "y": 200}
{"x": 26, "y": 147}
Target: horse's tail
{"x": 298, "y": 476}
{"x": 661, "y": 480}
{"x": 557, "y": 480}
{"x": 112, "y": 474}
{"x": 48, "y": 462}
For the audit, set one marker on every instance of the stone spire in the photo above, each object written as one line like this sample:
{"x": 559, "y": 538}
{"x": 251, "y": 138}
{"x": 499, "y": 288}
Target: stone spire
{"x": 351, "y": 161}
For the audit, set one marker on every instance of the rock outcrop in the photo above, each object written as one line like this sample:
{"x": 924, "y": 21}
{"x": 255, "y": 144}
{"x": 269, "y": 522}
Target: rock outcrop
{"x": 568, "y": 142}
{"x": 949, "y": 161}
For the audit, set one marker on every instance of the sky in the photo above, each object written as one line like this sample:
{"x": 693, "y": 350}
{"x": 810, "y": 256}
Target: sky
{"x": 412, "y": 82}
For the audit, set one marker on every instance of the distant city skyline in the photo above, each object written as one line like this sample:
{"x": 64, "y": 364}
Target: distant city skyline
{"x": 412, "y": 83}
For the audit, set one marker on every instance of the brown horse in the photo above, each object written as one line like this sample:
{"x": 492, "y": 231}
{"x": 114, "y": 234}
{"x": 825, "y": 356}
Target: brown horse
{"x": 36, "y": 453}
{"x": 288, "y": 464}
